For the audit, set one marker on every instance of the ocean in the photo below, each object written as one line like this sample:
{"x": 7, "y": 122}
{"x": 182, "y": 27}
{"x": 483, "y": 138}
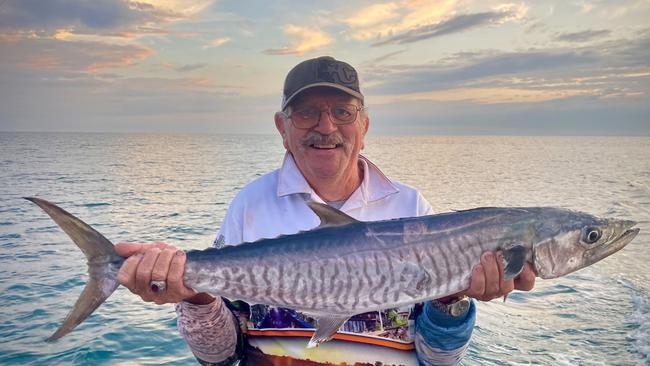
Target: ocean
{"x": 176, "y": 188}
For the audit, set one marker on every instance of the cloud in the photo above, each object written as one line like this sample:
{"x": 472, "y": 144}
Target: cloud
{"x": 583, "y": 36}
{"x": 53, "y": 14}
{"x": 64, "y": 58}
{"x": 402, "y": 79}
{"x": 454, "y": 24}
{"x": 189, "y": 67}
{"x": 381, "y": 20}
{"x": 410, "y": 20}
{"x": 112, "y": 18}
{"x": 373, "y": 15}
{"x": 383, "y": 58}
{"x": 183, "y": 8}
{"x": 216, "y": 42}
{"x": 613, "y": 69}
{"x": 487, "y": 95}
{"x": 580, "y": 115}
{"x": 302, "y": 40}
{"x": 30, "y": 101}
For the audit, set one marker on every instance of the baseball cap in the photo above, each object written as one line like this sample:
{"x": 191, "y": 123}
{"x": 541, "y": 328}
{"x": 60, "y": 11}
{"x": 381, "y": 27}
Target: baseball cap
{"x": 321, "y": 71}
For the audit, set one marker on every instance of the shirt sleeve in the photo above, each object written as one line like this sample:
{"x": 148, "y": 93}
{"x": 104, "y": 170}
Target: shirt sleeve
{"x": 211, "y": 331}
{"x": 442, "y": 339}
{"x": 423, "y": 206}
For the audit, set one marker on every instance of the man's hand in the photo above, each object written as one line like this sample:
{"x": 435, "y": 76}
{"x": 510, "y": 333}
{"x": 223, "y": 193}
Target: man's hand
{"x": 153, "y": 262}
{"x": 487, "y": 280}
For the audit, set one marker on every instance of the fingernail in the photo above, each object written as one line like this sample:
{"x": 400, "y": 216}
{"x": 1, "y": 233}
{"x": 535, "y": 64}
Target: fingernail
{"x": 487, "y": 256}
{"x": 180, "y": 253}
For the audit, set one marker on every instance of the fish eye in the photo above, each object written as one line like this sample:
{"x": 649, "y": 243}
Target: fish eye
{"x": 591, "y": 235}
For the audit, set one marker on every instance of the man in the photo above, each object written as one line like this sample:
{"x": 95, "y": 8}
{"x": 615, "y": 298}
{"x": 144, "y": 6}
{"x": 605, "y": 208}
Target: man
{"x": 323, "y": 123}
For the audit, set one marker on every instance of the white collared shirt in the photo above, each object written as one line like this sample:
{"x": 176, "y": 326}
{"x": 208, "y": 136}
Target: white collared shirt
{"x": 274, "y": 204}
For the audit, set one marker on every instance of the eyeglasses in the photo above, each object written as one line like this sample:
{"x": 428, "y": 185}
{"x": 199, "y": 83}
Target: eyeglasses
{"x": 308, "y": 117}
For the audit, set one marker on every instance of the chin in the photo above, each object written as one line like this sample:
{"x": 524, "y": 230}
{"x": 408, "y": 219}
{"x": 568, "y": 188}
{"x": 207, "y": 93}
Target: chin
{"x": 327, "y": 172}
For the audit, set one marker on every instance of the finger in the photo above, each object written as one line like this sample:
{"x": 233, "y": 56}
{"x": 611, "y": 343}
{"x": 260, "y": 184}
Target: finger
{"x": 126, "y": 275}
{"x": 162, "y": 245}
{"x": 492, "y": 277}
{"x": 477, "y": 283}
{"x": 505, "y": 286}
{"x": 160, "y": 269}
{"x": 175, "y": 277}
{"x": 143, "y": 274}
{"x": 526, "y": 279}
{"x": 159, "y": 273}
{"x": 129, "y": 249}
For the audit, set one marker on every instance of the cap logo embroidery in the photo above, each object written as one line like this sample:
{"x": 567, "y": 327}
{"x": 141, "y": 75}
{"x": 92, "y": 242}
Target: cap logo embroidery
{"x": 336, "y": 73}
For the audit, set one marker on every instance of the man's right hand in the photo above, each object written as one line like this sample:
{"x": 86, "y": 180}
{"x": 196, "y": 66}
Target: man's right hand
{"x": 156, "y": 262}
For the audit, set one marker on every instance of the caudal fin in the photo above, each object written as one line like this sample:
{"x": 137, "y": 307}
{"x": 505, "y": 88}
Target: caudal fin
{"x": 103, "y": 264}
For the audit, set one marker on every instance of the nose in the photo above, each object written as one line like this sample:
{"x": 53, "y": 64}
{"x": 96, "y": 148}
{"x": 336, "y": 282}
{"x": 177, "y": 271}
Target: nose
{"x": 325, "y": 123}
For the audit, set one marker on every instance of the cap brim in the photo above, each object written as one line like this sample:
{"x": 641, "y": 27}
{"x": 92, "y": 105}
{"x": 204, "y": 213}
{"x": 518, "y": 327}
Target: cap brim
{"x": 352, "y": 92}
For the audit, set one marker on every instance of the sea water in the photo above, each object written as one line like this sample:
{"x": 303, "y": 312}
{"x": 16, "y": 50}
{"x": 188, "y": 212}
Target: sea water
{"x": 176, "y": 188}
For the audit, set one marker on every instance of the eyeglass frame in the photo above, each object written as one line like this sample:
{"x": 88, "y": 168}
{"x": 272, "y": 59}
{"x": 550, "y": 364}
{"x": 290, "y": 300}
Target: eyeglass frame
{"x": 329, "y": 111}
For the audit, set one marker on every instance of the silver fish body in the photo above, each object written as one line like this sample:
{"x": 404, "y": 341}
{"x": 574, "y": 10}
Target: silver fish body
{"x": 347, "y": 267}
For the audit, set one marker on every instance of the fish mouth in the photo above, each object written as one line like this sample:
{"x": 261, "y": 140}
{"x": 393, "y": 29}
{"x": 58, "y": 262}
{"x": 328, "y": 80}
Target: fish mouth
{"x": 629, "y": 232}
{"x": 627, "y": 236}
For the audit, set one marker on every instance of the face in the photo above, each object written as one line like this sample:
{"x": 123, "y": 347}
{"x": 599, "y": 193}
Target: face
{"x": 326, "y": 151}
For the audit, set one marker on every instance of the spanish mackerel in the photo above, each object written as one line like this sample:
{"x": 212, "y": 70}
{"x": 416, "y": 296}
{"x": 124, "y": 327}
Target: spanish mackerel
{"x": 346, "y": 267}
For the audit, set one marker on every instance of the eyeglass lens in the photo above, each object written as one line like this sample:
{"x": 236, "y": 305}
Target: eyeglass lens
{"x": 309, "y": 116}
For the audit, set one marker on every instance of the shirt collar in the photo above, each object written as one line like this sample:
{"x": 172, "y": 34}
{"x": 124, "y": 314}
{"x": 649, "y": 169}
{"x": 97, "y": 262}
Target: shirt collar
{"x": 375, "y": 184}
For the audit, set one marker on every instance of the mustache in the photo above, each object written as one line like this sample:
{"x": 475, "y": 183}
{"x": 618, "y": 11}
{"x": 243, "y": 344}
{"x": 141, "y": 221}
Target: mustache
{"x": 316, "y": 138}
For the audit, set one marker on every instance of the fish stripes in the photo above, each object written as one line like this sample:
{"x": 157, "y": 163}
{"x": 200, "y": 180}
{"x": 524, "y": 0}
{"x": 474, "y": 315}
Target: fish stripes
{"x": 354, "y": 269}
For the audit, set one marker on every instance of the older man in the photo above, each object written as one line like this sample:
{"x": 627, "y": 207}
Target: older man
{"x": 323, "y": 123}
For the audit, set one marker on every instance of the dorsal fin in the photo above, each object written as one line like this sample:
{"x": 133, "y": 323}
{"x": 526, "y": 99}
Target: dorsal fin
{"x": 329, "y": 216}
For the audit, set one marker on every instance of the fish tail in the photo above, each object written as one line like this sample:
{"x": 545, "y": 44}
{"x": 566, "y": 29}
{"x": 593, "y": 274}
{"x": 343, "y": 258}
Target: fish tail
{"x": 103, "y": 265}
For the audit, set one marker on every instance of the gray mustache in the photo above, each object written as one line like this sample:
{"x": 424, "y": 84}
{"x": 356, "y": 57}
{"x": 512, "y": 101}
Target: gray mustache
{"x": 315, "y": 138}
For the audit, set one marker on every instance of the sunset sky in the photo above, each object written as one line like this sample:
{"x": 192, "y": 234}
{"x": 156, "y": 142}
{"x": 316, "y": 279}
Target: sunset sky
{"x": 426, "y": 67}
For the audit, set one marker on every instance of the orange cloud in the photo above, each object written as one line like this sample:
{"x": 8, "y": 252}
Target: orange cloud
{"x": 488, "y": 95}
{"x": 125, "y": 59}
{"x": 216, "y": 42}
{"x": 184, "y": 8}
{"x": 395, "y": 17}
{"x": 50, "y": 55}
{"x": 379, "y": 21}
{"x": 303, "y": 40}
{"x": 374, "y": 14}
{"x": 117, "y": 21}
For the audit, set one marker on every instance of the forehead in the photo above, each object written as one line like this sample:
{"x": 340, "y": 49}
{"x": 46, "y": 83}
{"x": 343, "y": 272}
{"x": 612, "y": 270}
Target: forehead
{"x": 322, "y": 95}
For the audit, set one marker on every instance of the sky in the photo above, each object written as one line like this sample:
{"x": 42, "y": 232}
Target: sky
{"x": 460, "y": 67}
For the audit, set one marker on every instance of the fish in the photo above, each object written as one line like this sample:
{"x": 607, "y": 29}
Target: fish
{"x": 346, "y": 267}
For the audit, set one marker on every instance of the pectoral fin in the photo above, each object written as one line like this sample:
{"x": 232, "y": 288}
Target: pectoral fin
{"x": 514, "y": 259}
{"x": 327, "y": 327}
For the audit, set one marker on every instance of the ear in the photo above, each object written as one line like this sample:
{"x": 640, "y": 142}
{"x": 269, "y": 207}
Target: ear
{"x": 280, "y": 126}
{"x": 366, "y": 124}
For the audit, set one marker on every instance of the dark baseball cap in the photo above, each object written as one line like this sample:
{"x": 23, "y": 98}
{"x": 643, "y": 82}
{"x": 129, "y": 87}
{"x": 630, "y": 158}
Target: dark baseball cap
{"x": 321, "y": 71}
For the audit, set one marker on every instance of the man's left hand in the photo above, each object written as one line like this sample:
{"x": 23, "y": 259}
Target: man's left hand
{"x": 487, "y": 280}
